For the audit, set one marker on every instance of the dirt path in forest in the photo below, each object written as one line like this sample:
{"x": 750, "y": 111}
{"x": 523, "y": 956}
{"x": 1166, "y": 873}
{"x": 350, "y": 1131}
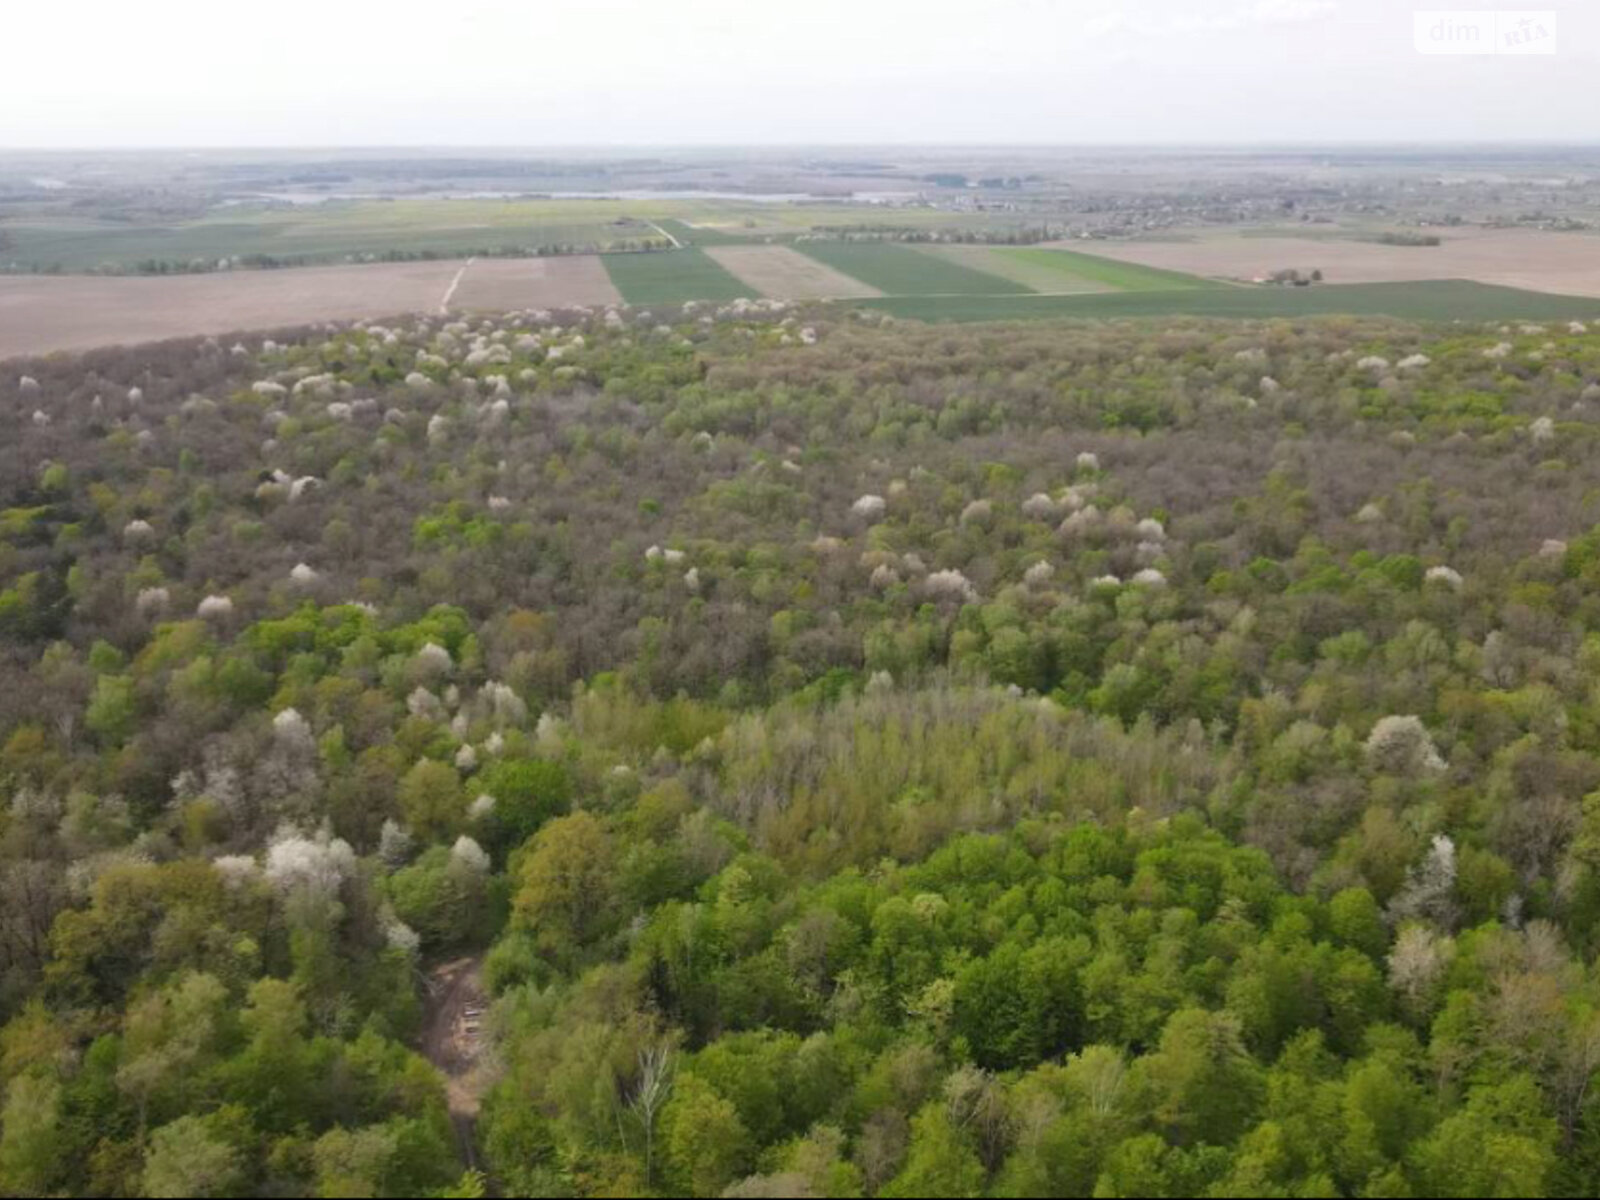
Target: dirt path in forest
{"x": 452, "y": 1040}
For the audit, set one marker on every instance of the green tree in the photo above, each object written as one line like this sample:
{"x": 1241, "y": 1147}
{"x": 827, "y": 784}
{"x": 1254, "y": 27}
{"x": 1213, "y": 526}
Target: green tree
{"x": 940, "y": 1161}
{"x": 113, "y": 711}
{"x": 274, "y": 1075}
{"x": 705, "y": 1143}
{"x": 431, "y": 800}
{"x": 567, "y": 881}
{"x": 1502, "y": 1144}
{"x": 356, "y": 1162}
{"x": 186, "y": 1158}
{"x": 527, "y": 793}
{"x": 32, "y": 1138}
{"x": 1356, "y": 920}
{"x": 1204, "y": 1086}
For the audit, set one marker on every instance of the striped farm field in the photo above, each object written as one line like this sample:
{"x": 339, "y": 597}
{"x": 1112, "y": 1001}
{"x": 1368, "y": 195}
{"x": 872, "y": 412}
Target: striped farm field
{"x": 1073, "y": 268}
{"x": 1036, "y": 277}
{"x": 898, "y": 270}
{"x": 785, "y": 274}
{"x": 673, "y": 277}
{"x": 1433, "y": 300}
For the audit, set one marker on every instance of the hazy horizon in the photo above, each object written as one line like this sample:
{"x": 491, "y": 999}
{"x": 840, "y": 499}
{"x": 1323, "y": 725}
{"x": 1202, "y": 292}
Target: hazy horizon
{"x": 612, "y": 148}
{"x": 705, "y": 73}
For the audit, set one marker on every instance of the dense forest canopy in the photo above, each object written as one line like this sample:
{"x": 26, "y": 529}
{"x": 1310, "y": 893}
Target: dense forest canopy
{"x": 856, "y": 758}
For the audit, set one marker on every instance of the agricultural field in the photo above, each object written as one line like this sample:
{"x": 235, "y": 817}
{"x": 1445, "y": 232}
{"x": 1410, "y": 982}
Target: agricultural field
{"x": 673, "y": 277}
{"x": 1074, "y": 267}
{"x": 42, "y": 314}
{"x": 708, "y": 235}
{"x": 1047, "y": 277}
{"x": 785, "y": 274}
{"x": 898, "y": 270}
{"x": 1428, "y": 300}
{"x": 1538, "y": 260}
{"x": 329, "y": 232}
{"x": 45, "y": 313}
{"x": 737, "y": 221}
{"x": 1056, "y": 271}
{"x": 498, "y": 284}
{"x": 335, "y": 230}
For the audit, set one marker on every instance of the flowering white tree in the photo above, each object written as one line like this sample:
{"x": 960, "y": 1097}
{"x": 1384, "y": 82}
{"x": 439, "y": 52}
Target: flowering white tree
{"x": 1445, "y": 576}
{"x": 292, "y": 730}
{"x": 398, "y": 935}
{"x": 506, "y": 708}
{"x": 307, "y": 872}
{"x": 466, "y": 855}
{"x": 1430, "y": 890}
{"x": 394, "y": 844}
{"x": 1400, "y": 745}
{"x": 1417, "y": 965}
{"x": 952, "y": 584}
{"x": 215, "y": 606}
{"x": 151, "y": 601}
{"x": 870, "y": 507}
{"x": 1040, "y": 507}
{"x": 434, "y": 660}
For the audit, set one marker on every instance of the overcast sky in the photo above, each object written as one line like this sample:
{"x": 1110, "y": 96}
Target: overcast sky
{"x": 685, "y": 72}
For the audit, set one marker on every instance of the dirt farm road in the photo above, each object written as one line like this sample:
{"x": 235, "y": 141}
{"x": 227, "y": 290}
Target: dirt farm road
{"x": 450, "y": 292}
{"x": 45, "y": 314}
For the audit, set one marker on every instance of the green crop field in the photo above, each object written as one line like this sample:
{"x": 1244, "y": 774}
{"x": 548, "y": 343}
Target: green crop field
{"x": 1076, "y": 269}
{"x": 970, "y": 270}
{"x": 708, "y": 235}
{"x": 672, "y": 277}
{"x": 62, "y": 239}
{"x": 898, "y": 270}
{"x": 1033, "y": 276}
{"x": 1433, "y": 300}
{"x": 328, "y": 232}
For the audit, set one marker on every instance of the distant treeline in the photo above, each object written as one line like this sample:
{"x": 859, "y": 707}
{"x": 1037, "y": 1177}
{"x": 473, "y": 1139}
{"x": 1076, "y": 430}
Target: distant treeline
{"x": 1028, "y": 236}
{"x": 267, "y": 262}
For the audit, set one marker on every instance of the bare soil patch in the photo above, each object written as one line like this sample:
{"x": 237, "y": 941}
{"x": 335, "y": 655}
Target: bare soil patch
{"x": 556, "y": 282}
{"x": 40, "y": 314}
{"x": 453, "y": 1040}
{"x": 1563, "y": 263}
{"x": 784, "y": 274}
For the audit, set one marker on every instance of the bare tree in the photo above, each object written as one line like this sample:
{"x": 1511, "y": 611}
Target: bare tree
{"x": 650, "y": 1095}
